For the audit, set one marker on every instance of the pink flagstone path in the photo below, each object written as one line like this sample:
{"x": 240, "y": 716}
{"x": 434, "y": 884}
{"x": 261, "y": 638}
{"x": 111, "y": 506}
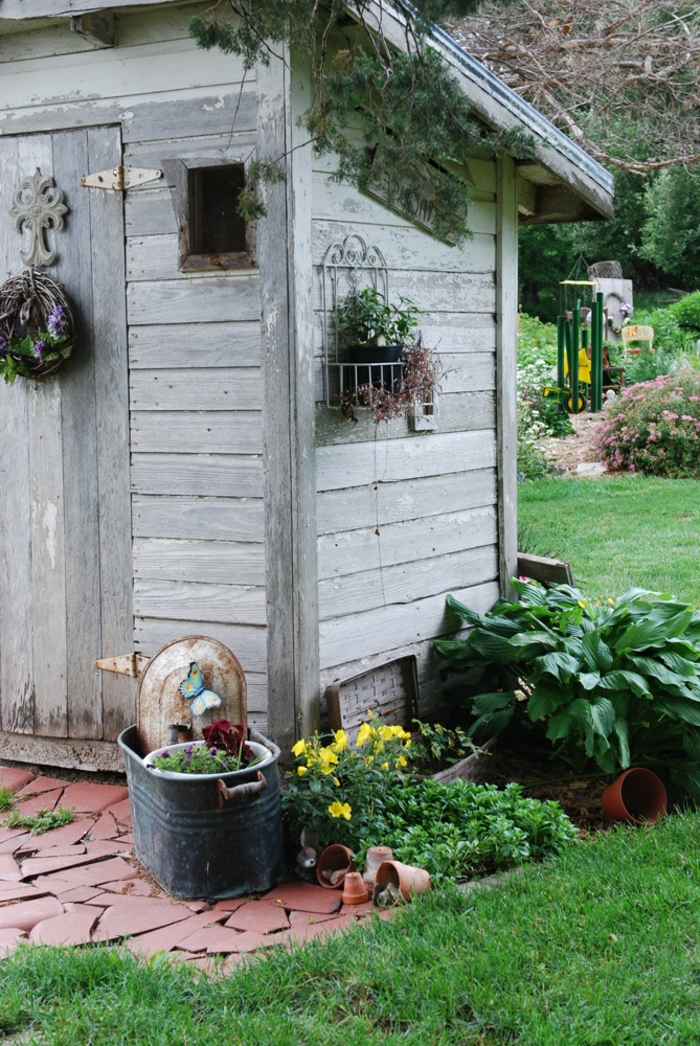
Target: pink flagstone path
{"x": 81, "y": 883}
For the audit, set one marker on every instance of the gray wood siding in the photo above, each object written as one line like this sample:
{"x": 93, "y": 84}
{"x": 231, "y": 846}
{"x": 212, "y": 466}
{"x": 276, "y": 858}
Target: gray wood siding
{"x": 405, "y": 518}
{"x": 195, "y": 351}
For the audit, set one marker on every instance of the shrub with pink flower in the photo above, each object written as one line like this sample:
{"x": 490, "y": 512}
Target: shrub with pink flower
{"x": 654, "y": 427}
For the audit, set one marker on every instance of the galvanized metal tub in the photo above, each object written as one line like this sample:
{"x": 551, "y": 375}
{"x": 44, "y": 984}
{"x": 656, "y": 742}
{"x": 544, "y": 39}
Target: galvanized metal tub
{"x": 213, "y": 836}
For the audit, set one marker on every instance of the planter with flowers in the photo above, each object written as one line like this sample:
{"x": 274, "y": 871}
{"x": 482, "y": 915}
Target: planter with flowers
{"x": 37, "y": 329}
{"x": 337, "y": 790}
{"x": 205, "y": 808}
{"x": 388, "y": 369}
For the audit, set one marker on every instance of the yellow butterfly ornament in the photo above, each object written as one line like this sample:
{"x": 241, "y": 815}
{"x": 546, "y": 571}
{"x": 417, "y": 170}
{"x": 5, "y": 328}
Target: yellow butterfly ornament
{"x": 194, "y": 690}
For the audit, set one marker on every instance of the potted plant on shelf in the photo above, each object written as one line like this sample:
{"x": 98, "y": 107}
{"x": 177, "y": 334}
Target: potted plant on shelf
{"x": 372, "y": 330}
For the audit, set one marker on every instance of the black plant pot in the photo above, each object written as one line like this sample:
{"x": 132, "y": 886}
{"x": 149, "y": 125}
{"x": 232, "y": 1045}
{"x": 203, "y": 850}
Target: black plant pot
{"x": 375, "y": 365}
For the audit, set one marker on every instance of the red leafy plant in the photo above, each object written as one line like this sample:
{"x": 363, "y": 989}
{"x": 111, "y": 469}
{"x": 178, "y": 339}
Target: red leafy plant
{"x": 229, "y": 737}
{"x": 223, "y": 750}
{"x": 420, "y": 377}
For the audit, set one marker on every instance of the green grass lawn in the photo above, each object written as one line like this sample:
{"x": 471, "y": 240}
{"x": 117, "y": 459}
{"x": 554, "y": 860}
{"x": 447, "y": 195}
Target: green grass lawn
{"x": 617, "y": 533}
{"x": 600, "y": 948}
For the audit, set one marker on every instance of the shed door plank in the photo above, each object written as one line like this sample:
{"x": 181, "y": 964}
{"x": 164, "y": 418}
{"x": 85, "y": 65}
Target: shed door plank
{"x": 47, "y": 534}
{"x": 16, "y": 677}
{"x": 112, "y": 420}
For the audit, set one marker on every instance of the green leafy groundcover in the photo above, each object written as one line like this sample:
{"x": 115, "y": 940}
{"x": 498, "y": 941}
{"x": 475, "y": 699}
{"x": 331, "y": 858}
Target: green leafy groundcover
{"x": 459, "y": 830}
{"x": 615, "y": 683}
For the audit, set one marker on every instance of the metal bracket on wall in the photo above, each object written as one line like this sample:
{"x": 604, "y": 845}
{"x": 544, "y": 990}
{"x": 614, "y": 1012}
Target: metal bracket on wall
{"x": 347, "y": 268}
{"x": 120, "y": 178}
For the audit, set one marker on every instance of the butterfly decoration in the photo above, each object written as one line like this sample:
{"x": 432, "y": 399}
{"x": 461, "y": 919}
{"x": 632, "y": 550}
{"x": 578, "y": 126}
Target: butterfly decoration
{"x": 194, "y": 690}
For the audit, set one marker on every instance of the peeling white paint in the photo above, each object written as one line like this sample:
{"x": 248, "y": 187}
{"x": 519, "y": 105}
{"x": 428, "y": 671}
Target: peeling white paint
{"x": 50, "y": 524}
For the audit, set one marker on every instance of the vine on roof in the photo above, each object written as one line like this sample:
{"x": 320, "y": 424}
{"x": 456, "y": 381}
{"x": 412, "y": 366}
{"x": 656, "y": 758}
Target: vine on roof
{"x": 394, "y": 115}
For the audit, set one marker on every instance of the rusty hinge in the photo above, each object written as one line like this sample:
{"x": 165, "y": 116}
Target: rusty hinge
{"x": 119, "y": 178}
{"x": 124, "y": 664}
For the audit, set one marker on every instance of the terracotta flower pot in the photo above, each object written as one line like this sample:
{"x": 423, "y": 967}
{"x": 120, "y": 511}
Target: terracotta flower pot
{"x": 335, "y": 858}
{"x": 376, "y": 855}
{"x": 354, "y": 889}
{"x": 637, "y": 795}
{"x": 405, "y": 877}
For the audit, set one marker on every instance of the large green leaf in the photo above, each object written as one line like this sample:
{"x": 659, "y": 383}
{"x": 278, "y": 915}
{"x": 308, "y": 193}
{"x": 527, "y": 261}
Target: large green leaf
{"x": 642, "y": 635}
{"x": 544, "y": 700}
{"x": 582, "y": 712}
{"x": 456, "y": 650}
{"x": 561, "y": 666}
{"x": 623, "y": 680}
{"x": 678, "y": 708}
{"x": 560, "y": 725}
{"x": 491, "y": 724}
{"x": 589, "y": 680}
{"x": 657, "y": 670}
{"x": 621, "y": 730}
{"x": 596, "y": 652}
{"x": 494, "y": 649}
{"x": 602, "y": 716}
{"x": 491, "y": 702}
{"x": 534, "y": 639}
{"x": 684, "y": 666}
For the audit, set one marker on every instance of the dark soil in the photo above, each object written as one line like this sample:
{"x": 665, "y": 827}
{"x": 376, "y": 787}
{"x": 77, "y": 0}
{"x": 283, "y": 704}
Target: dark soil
{"x": 544, "y": 778}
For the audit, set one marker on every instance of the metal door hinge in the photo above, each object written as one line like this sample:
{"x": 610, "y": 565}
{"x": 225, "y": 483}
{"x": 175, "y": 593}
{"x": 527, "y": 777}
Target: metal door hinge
{"x": 124, "y": 664}
{"x": 120, "y": 178}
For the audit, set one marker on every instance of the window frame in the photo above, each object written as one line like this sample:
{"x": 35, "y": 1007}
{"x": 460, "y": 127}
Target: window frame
{"x": 221, "y": 261}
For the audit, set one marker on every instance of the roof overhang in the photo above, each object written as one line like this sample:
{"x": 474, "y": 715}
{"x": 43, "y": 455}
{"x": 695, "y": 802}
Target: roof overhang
{"x": 560, "y": 183}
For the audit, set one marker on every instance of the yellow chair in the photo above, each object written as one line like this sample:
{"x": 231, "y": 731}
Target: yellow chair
{"x": 636, "y": 333}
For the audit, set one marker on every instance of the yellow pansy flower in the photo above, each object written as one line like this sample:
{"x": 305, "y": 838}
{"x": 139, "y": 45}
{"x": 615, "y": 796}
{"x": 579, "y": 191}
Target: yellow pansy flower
{"x": 301, "y": 770}
{"x": 299, "y": 748}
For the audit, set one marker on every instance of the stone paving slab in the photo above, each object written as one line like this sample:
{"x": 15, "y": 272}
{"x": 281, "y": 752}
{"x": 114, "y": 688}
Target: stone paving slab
{"x": 73, "y": 926}
{"x": 81, "y": 883}
{"x": 40, "y": 784}
{"x": 93, "y": 798}
{"x": 44, "y": 801}
{"x": 14, "y": 778}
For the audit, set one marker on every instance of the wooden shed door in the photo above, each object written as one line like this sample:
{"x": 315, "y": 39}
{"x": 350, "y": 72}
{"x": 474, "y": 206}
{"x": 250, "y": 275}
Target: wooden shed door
{"x": 65, "y": 518}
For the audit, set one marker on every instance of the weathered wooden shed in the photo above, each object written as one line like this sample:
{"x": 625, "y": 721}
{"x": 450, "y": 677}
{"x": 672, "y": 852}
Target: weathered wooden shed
{"x": 183, "y": 473}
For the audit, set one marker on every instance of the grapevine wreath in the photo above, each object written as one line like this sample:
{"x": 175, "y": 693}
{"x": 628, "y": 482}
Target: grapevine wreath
{"x": 37, "y": 329}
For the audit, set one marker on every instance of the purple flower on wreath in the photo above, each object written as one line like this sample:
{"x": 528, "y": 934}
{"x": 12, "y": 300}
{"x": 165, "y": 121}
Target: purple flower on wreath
{"x": 57, "y": 322}
{"x": 39, "y": 347}
{"x": 4, "y": 344}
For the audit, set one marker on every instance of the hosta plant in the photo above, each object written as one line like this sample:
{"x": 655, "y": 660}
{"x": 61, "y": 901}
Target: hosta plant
{"x": 613, "y": 683}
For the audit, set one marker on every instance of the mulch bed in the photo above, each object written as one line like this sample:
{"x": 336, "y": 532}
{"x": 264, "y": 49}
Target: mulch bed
{"x": 544, "y": 778}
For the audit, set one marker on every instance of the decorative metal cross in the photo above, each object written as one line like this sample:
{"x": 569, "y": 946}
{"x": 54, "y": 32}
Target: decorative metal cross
{"x": 37, "y": 205}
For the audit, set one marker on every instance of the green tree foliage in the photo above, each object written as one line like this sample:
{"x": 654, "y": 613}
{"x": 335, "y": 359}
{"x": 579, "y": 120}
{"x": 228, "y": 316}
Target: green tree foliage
{"x": 415, "y": 126}
{"x": 671, "y": 232}
{"x": 548, "y": 254}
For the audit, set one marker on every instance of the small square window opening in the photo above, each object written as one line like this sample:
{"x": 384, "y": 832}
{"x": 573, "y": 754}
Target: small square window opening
{"x": 213, "y": 235}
